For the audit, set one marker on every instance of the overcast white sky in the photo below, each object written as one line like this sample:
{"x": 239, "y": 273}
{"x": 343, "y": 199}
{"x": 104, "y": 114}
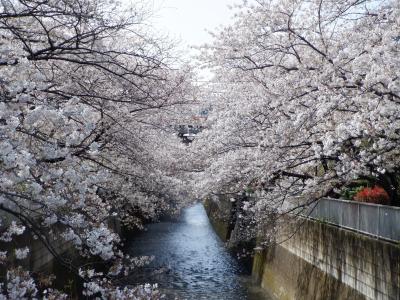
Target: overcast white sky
{"x": 187, "y": 20}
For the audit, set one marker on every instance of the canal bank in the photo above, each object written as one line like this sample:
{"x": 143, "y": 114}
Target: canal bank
{"x": 52, "y": 261}
{"x": 311, "y": 259}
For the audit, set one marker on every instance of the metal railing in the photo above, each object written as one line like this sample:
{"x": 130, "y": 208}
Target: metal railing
{"x": 373, "y": 219}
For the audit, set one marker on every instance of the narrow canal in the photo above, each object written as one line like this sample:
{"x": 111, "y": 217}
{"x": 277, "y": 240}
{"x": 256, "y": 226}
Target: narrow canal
{"x": 190, "y": 261}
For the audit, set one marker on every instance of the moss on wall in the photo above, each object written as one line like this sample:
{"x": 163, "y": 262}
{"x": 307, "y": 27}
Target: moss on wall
{"x": 258, "y": 266}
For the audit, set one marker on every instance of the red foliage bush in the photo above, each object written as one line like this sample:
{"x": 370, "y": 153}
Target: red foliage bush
{"x": 373, "y": 195}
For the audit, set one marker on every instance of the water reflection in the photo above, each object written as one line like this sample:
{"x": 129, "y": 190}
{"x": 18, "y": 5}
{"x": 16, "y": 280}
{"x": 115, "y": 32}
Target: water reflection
{"x": 190, "y": 261}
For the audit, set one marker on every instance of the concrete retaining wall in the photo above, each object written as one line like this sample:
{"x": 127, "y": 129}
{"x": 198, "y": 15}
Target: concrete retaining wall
{"x": 325, "y": 262}
{"x": 39, "y": 257}
{"x": 220, "y": 215}
{"x": 319, "y": 261}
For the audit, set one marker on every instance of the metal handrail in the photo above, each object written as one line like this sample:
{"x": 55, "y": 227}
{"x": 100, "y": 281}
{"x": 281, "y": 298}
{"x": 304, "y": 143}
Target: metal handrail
{"x": 387, "y": 218}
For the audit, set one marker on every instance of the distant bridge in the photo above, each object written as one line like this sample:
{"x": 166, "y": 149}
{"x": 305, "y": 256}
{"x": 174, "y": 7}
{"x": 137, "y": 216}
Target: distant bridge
{"x": 188, "y": 132}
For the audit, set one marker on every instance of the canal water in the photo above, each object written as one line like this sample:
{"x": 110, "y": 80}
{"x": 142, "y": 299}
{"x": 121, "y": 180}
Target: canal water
{"x": 190, "y": 261}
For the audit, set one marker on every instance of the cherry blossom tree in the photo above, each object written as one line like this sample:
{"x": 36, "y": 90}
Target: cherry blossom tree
{"x": 305, "y": 99}
{"x": 88, "y": 100}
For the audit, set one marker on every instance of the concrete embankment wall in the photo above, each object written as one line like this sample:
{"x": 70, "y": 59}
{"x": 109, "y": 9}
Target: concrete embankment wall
{"x": 40, "y": 258}
{"x": 321, "y": 261}
{"x": 221, "y": 216}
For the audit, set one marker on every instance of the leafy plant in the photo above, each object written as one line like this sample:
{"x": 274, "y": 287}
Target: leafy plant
{"x": 349, "y": 193}
{"x": 351, "y": 190}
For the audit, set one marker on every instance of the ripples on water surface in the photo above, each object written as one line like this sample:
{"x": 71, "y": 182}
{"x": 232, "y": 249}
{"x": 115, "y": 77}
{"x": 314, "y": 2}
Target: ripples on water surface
{"x": 190, "y": 261}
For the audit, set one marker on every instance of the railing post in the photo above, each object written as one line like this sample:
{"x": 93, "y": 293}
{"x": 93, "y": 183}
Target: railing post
{"x": 327, "y": 210}
{"x": 379, "y": 221}
{"x": 341, "y": 215}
